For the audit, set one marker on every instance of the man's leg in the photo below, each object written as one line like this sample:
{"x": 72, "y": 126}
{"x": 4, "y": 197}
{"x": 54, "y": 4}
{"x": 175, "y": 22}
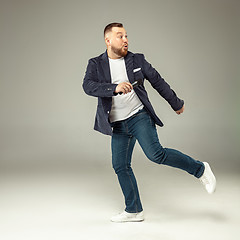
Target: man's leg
{"x": 122, "y": 148}
{"x": 144, "y": 129}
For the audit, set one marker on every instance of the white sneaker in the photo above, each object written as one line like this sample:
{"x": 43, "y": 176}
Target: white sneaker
{"x": 128, "y": 217}
{"x": 208, "y": 179}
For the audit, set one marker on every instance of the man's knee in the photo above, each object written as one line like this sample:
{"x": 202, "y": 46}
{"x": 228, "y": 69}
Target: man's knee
{"x": 121, "y": 167}
{"x": 157, "y": 156}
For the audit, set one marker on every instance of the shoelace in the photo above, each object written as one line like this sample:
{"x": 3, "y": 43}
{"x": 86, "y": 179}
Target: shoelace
{"x": 204, "y": 181}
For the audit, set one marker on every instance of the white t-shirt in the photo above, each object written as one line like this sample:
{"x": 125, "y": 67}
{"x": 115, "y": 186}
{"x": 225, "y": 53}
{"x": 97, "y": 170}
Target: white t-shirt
{"x": 124, "y": 105}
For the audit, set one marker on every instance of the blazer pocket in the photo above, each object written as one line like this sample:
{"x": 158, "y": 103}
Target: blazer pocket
{"x": 138, "y": 75}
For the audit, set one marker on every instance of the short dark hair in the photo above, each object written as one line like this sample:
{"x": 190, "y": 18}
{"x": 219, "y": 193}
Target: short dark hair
{"x": 109, "y": 27}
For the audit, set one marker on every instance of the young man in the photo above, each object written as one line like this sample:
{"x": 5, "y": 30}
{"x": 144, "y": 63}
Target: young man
{"x": 127, "y": 115}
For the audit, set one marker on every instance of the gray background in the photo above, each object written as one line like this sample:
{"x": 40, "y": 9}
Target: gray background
{"x": 46, "y": 122}
{"x": 45, "y": 46}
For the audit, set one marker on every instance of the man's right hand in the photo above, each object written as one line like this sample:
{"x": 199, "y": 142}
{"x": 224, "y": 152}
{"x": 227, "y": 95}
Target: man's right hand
{"x": 124, "y": 87}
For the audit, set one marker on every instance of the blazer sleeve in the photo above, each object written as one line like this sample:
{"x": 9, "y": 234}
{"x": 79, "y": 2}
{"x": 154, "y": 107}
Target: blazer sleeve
{"x": 161, "y": 86}
{"x": 91, "y": 84}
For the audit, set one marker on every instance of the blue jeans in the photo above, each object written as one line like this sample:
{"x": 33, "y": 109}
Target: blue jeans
{"x": 141, "y": 127}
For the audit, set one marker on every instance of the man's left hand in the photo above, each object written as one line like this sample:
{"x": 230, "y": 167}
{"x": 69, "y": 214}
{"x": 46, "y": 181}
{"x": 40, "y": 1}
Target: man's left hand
{"x": 180, "y": 110}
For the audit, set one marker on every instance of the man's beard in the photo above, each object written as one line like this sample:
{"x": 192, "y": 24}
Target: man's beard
{"x": 119, "y": 51}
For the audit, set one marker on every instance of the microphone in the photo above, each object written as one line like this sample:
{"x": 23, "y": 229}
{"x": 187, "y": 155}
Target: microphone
{"x": 135, "y": 84}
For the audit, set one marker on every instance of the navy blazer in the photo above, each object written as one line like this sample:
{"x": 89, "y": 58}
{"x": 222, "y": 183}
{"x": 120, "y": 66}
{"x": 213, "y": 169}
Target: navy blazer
{"x": 97, "y": 83}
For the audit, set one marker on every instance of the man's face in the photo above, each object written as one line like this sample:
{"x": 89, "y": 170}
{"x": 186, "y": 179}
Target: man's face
{"x": 117, "y": 42}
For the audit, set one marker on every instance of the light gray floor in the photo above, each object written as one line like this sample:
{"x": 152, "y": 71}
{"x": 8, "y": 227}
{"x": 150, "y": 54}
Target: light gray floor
{"x": 76, "y": 202}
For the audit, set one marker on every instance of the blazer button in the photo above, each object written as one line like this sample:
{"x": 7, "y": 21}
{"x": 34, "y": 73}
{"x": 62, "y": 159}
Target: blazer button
{"x": 108, "y": 112}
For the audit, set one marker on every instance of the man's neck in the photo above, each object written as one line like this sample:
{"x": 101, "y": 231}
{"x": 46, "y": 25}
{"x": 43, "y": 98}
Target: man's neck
{"x": 112, "y": 55}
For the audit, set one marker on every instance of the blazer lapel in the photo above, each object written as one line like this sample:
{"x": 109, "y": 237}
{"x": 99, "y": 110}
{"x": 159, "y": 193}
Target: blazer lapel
{"x": 129, "y": 66}
{"x": 106, "y": 68}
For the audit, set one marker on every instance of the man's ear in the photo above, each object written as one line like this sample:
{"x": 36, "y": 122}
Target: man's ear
{"x": 107, "y": 41}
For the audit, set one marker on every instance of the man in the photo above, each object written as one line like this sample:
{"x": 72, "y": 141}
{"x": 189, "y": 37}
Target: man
{"x": 127, "y": 115}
